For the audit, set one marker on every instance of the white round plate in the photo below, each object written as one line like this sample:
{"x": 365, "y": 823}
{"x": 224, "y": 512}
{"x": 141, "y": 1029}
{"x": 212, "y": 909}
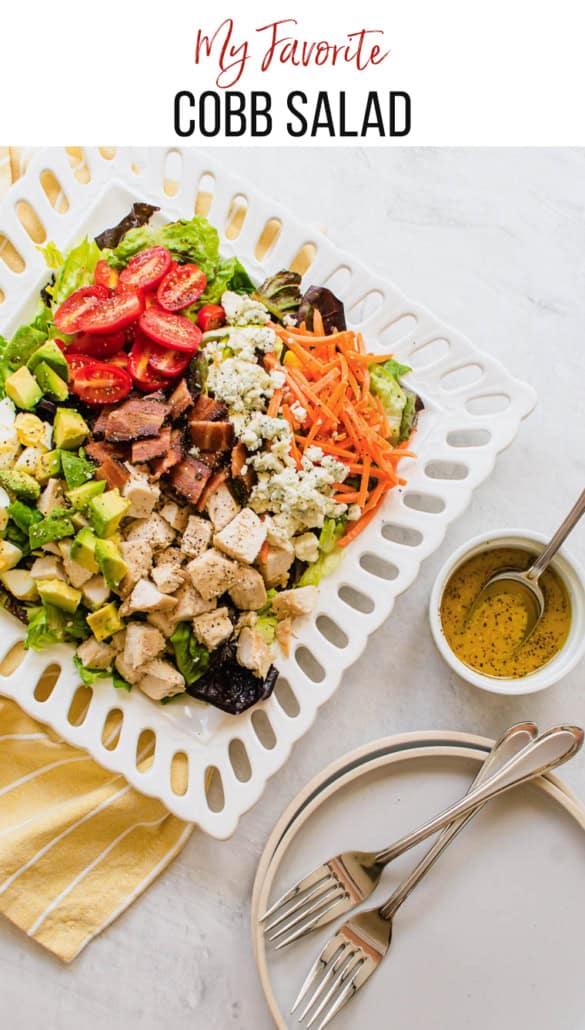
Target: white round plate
{"x": 493, "y": 937}
{"x": 473, "y": 408}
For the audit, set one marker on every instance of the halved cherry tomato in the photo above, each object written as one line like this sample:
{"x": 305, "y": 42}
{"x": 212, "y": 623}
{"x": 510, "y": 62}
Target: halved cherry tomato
{"x": 170, "y": 330}
{"x": 77, "y": 361}
{"x": 167, "y": 363}
{"x": 69, "y": 314}
{"x": 120, "y": 359}
{"x": 139, "y": 368}
{"x": 116, "y": 312}
{"x": 181, "y": 287}
{"x": 211, "y": 316}
{"x": 98, "y": 345}
{"x": 106, "y": 276}
{"x": 146, "y": 268}
{"x": 95, "y": 382}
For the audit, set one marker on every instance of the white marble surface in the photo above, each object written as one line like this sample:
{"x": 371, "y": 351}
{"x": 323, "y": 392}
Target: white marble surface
{"x": 494, "y": 242}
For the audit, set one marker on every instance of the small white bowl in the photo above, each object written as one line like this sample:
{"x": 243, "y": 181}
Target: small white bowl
{"x": 573, "y": 577}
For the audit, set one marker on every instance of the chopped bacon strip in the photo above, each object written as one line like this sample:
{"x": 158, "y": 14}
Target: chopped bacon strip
{"x": 211, "y": 436}
{"x": 155, "y": 447}
{"x": 173, "y": 456}
{"x": 99, "y": 450}
{"x": 238, "y": 464}
{"x": 180, "y": 400}
{"x": 135, "y": 419}
{"x": 114, "y": 473}
{"x": 208, "y": 410}
{"x": 188, "y": 479}
{"x": 214, "y": 483}
{"x": 212, "y": 458}
{"x": 101, "y": 423}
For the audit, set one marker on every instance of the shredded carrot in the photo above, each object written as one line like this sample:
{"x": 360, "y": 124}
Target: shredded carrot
{"x": 358, "y": 526}
{"x": 263, "y": 556}
{"x": 274, "y": 406}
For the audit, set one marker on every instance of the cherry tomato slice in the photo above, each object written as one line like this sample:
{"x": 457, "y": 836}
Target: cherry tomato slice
{"x": 69, "y": 314}
{"x": 98, "y": 345}
{"x": 167, "y": 363}
{"x": 95, "y": 382}
{"x": 77, "y": 361}
{"x": 116, "y": 312}
{"x": 106, "y": 276}
{"x": 138, "y": 365}
{"x": 146, "y": 268}
{"x": 170, "y": 330}
{"x": 120, "y": 359}
{"x": 211, "y": 316}
{"x": 181, "y": 287}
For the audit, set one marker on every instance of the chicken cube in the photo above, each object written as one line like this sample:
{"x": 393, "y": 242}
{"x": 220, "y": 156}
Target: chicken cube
{"x": 170, "y": 556}
{"x": 51, "y": 497}
{"x": 50, "y": 567}
{"x": 142, "y": 494}
{"x": 212, "y": 629}
{"x": 299, "y": 601}
{"x": 175, "y": 516}
{"x": 168, "y": 577}
{"x": 153, "y": 531}
{"x": 276, "y": 564}
{"x": 243, "y": 537}
{"x": 248, "y": 592}
{"x": 118, "y": 641}
{"x": 160, "y": 679}
{"x": 76, "y": 574}
{"x": 197, "y": 536}
{"x": 145, "y": 597}
{"x": 126, "y": 671}
{"x": 137, "y": 555}
{"x": 306, "y": 547}
{"x": 95, "y": 592}
{"x": 283, "y": 634}
{"x": 221, "y": 507}
{"x": 165, "y": 621}
{"x": 142, "y": 644}
{"x": 190, "y": 603}
{"x": 253, "y": 652}
{"x": 212, "y": 573}
{"x": 95, "y": 654}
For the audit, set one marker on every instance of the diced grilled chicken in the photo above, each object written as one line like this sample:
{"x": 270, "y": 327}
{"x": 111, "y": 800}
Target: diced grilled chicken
{"x": 176, "y": 516}
{"x": 300, "y": 601}
{"x": 180, "y": 400}
{"x": 221, "y": 506}
{"x": 175, "y": 454}
{"x": 142, "y": 495}
{"x": 197, "y": 536}
{"x": 152, "y": 447}
{"x": 95, "y": 654}
{"x": 168, "y": 577}
{"x": 76, "y": 574}
{"x": 188, "y": 478}
{"x": 212, "y": 629}
{"x": 253, "y": 652}
{"x": 136, "y": 418}
{"x": 49, "y": 567}
{"x": 142, "y": 644}
{"x": 211, "y": 436}
{"x": 249, "y": 591}
{"x": 243, "y": 537}
{"x": 160, "y": 679}
{"x": 276, "y": 564}
{"x": 145, "y": 597}
{"x": 126, "y": 671}
{"x": 153, "y": 531}
{"x": 95, "y": 592}
{"x": 190, "y": 603}
{"x": 212, "y": 573}
{"x": 138, "y": 557}
{"x": 283, "y": 634}
{"x": 165, "y": 621}
{"x": 208, "y": 410}
{"x": 114, "y": 473}
{"x": 51, "y": 497}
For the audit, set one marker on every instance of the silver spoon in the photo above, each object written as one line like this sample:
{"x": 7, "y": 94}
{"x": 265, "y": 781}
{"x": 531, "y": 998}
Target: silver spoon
{"x": 527, "y": 581}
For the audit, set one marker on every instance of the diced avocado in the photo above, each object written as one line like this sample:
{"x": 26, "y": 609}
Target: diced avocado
{"x": 52, "y": 355}
{"x": 76, "y": 469}
{"x": 23, "y": 389}
{"x": 20, "y": 584}
{"x": 10, "y": 555}
{"x": 105, "y": 622}
{"x": 21, "y": 484}
{"x": 79, "y": 520}
{"x": 110, "y": 561}
{"x": 69, "y": 429}
{"x": 23, "y": 515}
{"x": 51, "y": 383}
{"x": 49, "y": 466}
{"x": 106, "y": 512}
{"x": 83, "y": 549}
{"x": 51, "y": 528}
{"x": 82, "y": 495}
{"x": 55, "y": 591}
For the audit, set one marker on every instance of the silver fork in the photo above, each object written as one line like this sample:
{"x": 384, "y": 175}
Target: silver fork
{"x": 355, "y": 951}
{"x": 345, "y": 881}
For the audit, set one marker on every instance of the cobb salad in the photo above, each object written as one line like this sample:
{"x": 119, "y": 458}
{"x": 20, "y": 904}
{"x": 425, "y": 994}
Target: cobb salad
{"x": 184, "y": 455}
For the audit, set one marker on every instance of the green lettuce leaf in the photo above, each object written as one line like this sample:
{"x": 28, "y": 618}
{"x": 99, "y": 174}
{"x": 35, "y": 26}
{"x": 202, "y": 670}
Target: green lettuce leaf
{"x": 187, "y": 239}
{"x": 408, "y": 417}
{"x": 230, "y": 275}
{"x": 192, "y": 658}
{"x": 119, "y": 682}
{"x": 44, "y": 628}
{"x": 52, "y": 255}
{"x": 395, "y": 368}
{"x": 89, "y": 676}
{"x": 77, "y": 270}
{"x": 324, "y": 566}
{"x": 333, "y": 530}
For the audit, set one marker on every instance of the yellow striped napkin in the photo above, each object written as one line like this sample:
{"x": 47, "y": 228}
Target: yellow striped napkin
{"x": 77, "y": 843}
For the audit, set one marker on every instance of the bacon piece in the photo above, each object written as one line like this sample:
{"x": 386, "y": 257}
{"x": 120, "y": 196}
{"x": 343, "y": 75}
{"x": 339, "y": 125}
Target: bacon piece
{"x": 114, "y": 473}
{"x": 135, "y": 419}
{"x": 208, "y": 410}
{"x": 180, "y": 400}
{"x": 101, "y": 423}
{"x": 239, "y": 462}
{"x": 99, "y": 450}
{"x": 214, "y": 483}
{"x": 173, "y": 456}
{"x": 188, "y": 479}
{"x": 145, "y": 450}
{"x": 211, "y": 436}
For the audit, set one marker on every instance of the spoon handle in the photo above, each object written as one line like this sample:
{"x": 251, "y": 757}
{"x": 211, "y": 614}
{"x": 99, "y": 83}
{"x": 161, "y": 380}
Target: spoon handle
{"x": 560, "y": 536}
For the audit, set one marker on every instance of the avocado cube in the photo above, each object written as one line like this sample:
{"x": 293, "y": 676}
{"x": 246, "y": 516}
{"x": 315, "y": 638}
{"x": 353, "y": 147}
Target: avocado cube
{"x": 52, "y": 528}
{"x": 69, "y": 429}
{"x": 49, "y": 466}
{"x": 60, "y": 594}
{"x": 51, "y": 383}
{"x": 83, "y": 549}
{"x": 20, "y": 584}
{"x": 105, "y": 622}
{"x": 76, "y": 469}
{"x": 23, "y": 389}
{"x": 21, "y": 484}
{"x": 106, "y": 512}
{"x": 82, "y": 495}
{"x": 110, "y": 561}
{"x": 52, "y": 355}
{"x": 23, "y": 515}
{"x": 10, "y": 555}
{"x": 78, "y": 520}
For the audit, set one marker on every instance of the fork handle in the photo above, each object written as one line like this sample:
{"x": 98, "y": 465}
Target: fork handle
{"x": 545, "y": 753}
{"x": 511, "y": 743}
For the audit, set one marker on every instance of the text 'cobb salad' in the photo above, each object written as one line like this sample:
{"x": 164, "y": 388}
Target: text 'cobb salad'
{"x": 183, "y": 456}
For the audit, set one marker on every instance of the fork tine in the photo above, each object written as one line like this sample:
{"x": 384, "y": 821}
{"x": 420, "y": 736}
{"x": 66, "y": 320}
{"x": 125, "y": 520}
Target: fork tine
{"x": 319, "y": 889}
{"x": 332, "y": 892}
{"x": 328, "y": 952}
{"x": 349, "y": 969}
{"x": 341, "y": 958}
{"x": 344, "y": 996}
{"x": 312, "y": 923}
{"x": 319, "y": 874}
